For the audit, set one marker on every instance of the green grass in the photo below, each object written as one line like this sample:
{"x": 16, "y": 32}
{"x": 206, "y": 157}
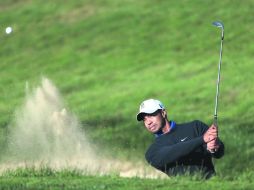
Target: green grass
{"x": 107, "y": 56}
{"x": 49, "y": 179}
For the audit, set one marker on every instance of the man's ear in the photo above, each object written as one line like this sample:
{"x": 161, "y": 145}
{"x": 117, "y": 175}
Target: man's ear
{"x": 164, "y": 113}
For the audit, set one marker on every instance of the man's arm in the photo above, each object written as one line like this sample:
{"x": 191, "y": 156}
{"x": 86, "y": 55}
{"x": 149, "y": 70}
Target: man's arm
{"x": 159, "y": 156}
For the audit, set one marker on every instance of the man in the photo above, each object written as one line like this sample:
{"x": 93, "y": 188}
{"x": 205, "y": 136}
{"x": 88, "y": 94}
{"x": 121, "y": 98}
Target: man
{"x": 179, "y": 148}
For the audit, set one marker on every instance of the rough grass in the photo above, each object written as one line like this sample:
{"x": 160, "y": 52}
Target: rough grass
{"x": 109, "y": 183}
{"x": 47, "y": 178}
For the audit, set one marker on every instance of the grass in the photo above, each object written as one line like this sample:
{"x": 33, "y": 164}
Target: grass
{"x": 48, "y": 179}
{"x": 107, "y": 56}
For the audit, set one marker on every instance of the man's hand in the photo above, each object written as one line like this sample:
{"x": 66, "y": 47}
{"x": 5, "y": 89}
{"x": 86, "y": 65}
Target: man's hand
{"x": 210, "y": 137}
{"x": 213, "y": 146}
{"x": 211, "y": 134}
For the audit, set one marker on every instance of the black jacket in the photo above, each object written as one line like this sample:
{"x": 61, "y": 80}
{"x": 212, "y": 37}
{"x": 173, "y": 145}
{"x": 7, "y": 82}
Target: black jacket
{"x": 183, "y": 151}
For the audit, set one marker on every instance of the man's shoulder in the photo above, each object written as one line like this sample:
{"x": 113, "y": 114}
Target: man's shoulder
{"x": 193, "y": 123}
{"x": 196, "y": 126}
{"x": 150, "y": 151}
{"x": 156, "y": 145}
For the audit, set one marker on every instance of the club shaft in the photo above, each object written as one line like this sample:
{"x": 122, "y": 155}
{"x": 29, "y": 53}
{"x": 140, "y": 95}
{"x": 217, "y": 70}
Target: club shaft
{"x": 218, "y": 83}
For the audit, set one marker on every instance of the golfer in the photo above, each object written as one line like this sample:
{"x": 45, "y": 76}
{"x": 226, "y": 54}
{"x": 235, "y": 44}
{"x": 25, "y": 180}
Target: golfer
{"x": 179, "y": 149}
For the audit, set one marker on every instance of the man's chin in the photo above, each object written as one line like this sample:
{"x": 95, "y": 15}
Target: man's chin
{"x": 155, "y": 131}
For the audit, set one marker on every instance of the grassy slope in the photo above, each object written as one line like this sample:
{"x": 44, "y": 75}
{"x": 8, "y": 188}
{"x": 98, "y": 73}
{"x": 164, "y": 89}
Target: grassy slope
{"x": 48, "y": 179}
{"x": 105, "y": 182}
{"x": 107, "y": 56}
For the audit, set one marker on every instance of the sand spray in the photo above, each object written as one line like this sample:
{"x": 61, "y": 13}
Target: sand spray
{"x": 44, "y": 132}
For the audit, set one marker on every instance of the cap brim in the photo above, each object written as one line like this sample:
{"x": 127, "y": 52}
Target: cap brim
{"x": 140, "y": 115}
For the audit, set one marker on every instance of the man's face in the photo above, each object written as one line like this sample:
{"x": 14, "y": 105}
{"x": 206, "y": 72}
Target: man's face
{"x": 155, "y": 121}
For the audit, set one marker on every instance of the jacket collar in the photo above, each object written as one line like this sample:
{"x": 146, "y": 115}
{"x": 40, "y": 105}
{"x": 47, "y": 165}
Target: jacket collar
{"x": 160, "y": 132}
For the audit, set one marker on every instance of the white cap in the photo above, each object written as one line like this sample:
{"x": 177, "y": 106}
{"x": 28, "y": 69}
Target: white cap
{"x": 149, "y": 106}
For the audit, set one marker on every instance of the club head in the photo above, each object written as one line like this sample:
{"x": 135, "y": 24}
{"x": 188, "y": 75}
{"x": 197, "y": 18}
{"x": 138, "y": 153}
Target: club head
{"x": 218, "y": 24}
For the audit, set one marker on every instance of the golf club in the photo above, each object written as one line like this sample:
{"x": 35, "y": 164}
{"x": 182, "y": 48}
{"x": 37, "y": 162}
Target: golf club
{"x": 215, "y": 120}
{"x": 219, "y": 25}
